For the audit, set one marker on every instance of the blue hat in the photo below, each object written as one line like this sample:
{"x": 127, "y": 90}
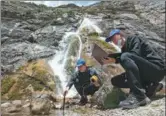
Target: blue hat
{"x": 112, "y": 33}
{"x": 80, "y": 62}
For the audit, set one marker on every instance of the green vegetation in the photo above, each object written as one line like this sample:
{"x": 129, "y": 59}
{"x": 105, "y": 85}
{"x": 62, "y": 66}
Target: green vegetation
{"x": 7, "y": 83}
{"x": 81, "y": 110}
{"x": 35, "y": 73}
{"x": 104, "y": 45}
{"x": 112, "y": 99}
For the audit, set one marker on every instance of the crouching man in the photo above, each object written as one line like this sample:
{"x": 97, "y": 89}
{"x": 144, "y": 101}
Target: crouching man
{"x": 85, "y": 80}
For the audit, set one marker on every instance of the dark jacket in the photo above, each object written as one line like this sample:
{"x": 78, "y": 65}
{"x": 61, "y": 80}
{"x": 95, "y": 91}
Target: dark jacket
{"x": 139, "y": 46}
{"x": 80, "y": 79}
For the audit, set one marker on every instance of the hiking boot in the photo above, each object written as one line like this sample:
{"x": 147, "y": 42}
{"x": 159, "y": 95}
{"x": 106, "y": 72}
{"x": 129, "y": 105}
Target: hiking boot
{"x": 153, "y": 88}
{"x": 83, "y": 101}
{"x": 133, "y": 102}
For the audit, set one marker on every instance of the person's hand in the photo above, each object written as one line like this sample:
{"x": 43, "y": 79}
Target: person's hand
{"x": 95, "y": 83}
{"x": 107, "y": 60}
{"x": 66, "y": 91}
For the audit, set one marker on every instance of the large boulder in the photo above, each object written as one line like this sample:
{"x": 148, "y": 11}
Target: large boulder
{"x": 108, "y": 96}
{"x": 40, "y": 104}
{"x": 33, "y": 76}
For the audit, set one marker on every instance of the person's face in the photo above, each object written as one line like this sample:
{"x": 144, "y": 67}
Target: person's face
{"x": 118, "y": 40}
{"x": 82, "y": 68}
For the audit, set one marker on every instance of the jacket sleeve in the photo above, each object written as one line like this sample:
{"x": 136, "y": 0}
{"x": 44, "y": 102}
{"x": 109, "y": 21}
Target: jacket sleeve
{"x": 135, "y": 46}
{"x": 72, "y": 80}
{"x": 116, "y": 56}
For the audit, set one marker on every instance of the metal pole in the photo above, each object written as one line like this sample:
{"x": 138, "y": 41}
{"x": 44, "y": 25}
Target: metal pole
{"x": 64, "y": 105}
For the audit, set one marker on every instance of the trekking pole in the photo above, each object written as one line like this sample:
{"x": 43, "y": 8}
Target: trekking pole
{"x": 63, "y": 108}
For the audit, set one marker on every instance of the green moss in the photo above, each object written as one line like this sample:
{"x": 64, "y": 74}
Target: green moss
{"x": 81, "y": 110}
{"x": 22, "y": 83}
{"x": 36, "y": 83}
{"x": 15, "y": 95}
{"x": 113, "y": 98}
{"x": 104, "y": 45}
{"x": 93, "y": 35}
{"x": 7, "y": 83}
{"x": 20, "y": 68}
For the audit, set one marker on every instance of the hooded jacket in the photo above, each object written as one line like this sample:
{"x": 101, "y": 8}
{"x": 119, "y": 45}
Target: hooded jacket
{"x": 140, "y": 47}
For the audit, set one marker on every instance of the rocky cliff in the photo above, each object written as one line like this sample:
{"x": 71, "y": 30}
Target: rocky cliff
{"x": 31, "y": 31}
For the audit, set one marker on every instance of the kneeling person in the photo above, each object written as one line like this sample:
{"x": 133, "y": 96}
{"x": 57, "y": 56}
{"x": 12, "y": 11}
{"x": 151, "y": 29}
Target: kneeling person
{"x": 85, "y": 80}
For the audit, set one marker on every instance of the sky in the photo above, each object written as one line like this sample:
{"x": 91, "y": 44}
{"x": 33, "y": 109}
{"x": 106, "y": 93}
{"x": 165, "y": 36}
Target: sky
{"x": 57, "y": 3}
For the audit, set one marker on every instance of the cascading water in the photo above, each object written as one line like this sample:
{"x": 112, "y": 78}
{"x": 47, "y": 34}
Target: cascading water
{"x": 79, "y": 53}
{"x": 58, "y": 65}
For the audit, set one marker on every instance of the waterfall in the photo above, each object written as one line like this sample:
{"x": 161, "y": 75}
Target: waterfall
{"x": 58, "y": 66}
{"x": 58, "y": 63}
{"x": 80, "y": 49}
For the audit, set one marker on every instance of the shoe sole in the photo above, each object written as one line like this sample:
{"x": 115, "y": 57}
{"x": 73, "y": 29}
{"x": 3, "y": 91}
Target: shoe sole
{"x": 144, "y": 102}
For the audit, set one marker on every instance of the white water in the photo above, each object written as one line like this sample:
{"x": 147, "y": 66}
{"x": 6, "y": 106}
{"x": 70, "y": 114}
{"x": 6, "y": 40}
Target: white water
{"x": 58, "y": 66}
{"x": 60, "y": 59}
{"x": 80, "y": 49}
{"x": 88, "y": 26}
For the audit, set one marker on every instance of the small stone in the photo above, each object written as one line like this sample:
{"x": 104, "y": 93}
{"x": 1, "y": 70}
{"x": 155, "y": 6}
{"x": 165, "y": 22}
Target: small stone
{"x": 26, "y": 101}
{"x": 65, "y": 15}
{"x": 40, "y": 106}
{"x": 26, "y": 105}
{"x": 58, "y": 106}
{"x": 95, "y": 106}
{"x": 17, "y": 103}
{"x": 4, "y": 105}
{"x": 13, "y": 109}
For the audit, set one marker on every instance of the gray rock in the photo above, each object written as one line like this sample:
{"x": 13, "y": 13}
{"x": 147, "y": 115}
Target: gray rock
{"x": 32, "y": 25}
{"x": 26, "y": 105}
{"x": 13, "y": 109}
{"x": 129, "y": 16}
{"x": 5, "y": 105}
{"x": 17, "y": 103}
{"x": 40, "y": 106}
{"x": 16, "y": 54}
{"x": 107, "y": 96}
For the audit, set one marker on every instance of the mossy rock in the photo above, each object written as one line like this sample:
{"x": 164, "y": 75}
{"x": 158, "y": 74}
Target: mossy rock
{"x": 35, "y": 73}
{"x": 113, "y": 99}
{"x": 7, "y": 83}
{"x": 106, "y": 46}
{"x": 108, "y": 97}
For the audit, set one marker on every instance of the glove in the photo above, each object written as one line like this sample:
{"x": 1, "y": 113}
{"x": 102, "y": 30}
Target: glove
{"x": 94, "y": 80}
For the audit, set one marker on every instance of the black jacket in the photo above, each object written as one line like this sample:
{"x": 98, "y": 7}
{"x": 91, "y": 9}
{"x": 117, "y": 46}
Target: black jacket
{"x": 139, "y": 46}
{"x": 80, "y": 79}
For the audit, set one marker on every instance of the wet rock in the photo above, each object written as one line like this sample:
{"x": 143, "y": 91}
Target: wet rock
{"x": 5, "y": 105}
{"x": 40, "y": 106}
{"x": 26, "y": 105}
{"x": 52, "y": 97}
{"x": 13, "y": 109}
{"x": 58, "y": 105}
{"x": 107, "y": 96}
{"x": 17, "y": 103}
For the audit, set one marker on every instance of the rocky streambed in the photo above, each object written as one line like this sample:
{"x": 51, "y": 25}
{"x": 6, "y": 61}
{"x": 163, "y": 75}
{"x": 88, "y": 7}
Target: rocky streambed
{"x": 24, "y": 108}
